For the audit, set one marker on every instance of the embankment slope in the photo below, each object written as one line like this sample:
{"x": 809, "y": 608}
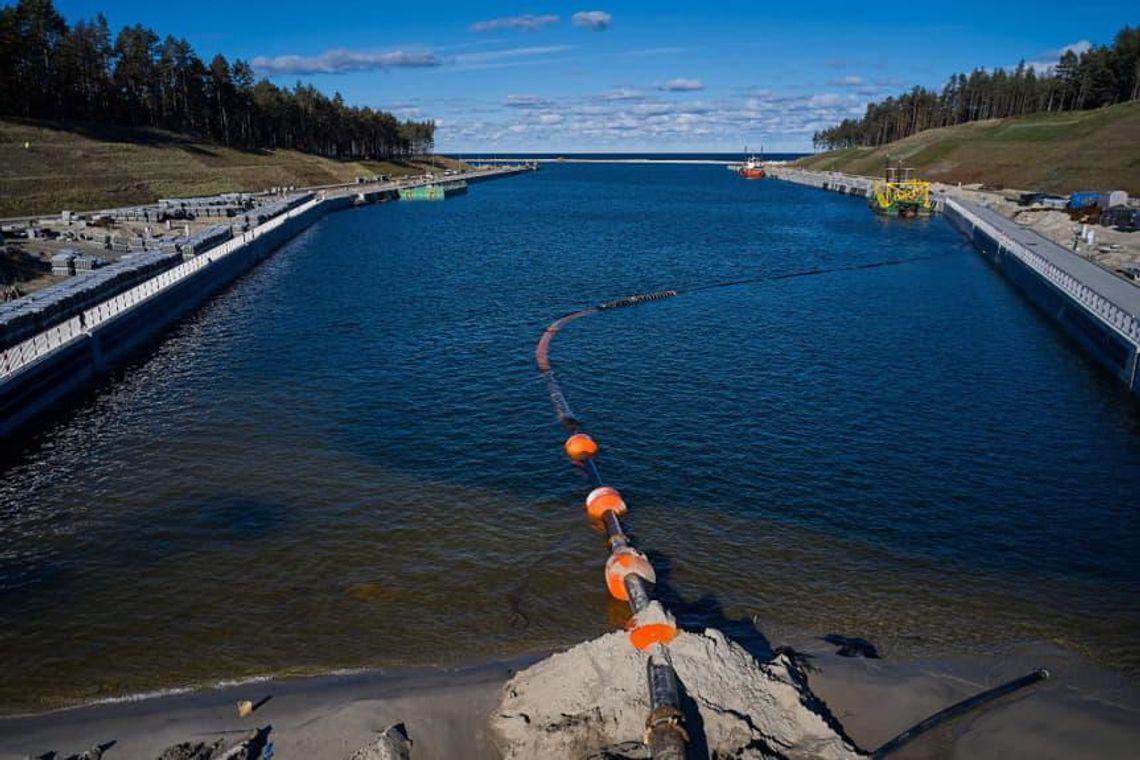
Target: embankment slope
{"x": 1061, "y": 152}
{"x": 85, "y": 167}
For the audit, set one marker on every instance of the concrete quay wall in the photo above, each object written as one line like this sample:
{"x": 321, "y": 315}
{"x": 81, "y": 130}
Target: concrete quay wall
{"x": 40, "y": 372}
{"x": 836, "y": 182}
{"x": 1099, "y": 311}
{"x": 66, "y": 358}
{"x": 1094, "y": 308}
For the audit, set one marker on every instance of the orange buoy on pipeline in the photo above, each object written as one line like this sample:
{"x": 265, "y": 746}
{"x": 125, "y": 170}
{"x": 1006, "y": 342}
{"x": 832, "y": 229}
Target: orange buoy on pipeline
{"x": 580, "y": 447}
{"x": 621, "y": 563}
{"x": 629, "y": 574}
{"x": 651, "y": 625}
{"x": 602, "y": 500}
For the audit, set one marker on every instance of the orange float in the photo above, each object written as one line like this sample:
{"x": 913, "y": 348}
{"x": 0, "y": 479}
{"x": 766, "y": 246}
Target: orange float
{"x": 580, "y": 447}
{"x": 653, "y": 625}
{"x": 602, "y": 500}
{"x": 621, "y": 563}
{"x": 645, "y": 636}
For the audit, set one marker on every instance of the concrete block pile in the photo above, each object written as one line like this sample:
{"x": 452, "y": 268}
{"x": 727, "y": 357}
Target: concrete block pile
{"x": 92, "y": 283}
{"x": 205, "y": 239}
{"x": 264, "y": 213}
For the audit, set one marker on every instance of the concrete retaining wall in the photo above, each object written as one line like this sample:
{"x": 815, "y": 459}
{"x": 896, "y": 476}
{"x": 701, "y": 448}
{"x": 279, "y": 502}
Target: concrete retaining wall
{"x": 1093, "y": 325}
{"x": 845, "y": 184}
{"x": 836, "y": 182}
{"x": 1073, "y": 292}
{"x": 39, "y": 372}
{"x": 108, "y": 334}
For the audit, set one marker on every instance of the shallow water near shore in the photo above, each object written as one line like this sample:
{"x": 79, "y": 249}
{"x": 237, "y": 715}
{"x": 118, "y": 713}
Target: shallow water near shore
{"x": 349, "y": 460}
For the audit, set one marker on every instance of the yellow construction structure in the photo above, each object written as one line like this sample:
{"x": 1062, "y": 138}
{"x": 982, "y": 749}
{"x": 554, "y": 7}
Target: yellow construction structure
{"x": 900, "y": 194}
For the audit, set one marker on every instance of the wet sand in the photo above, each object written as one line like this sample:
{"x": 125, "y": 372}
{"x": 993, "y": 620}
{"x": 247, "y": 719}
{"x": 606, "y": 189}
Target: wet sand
{"x": 1081, "y": 712}
{"x": 314, "y": 718}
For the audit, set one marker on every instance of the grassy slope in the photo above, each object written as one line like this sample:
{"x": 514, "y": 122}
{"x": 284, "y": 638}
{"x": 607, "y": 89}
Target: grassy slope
{"x": 81, "y": 167}
{"x": 1090, "y": 150}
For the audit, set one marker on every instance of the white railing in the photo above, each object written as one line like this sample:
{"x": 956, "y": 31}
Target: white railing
{"x": 1119, "y": 319}
{"x": 38, "y": 345}
{"x": 20, "y": 355}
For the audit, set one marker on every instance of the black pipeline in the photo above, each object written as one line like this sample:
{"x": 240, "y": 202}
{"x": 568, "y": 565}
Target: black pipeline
{"x": 953, "y": 711}
{"x": 628, "y": 573}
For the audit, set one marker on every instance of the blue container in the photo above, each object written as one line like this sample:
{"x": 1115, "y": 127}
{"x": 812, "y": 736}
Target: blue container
{"x": 1085, "y": 199}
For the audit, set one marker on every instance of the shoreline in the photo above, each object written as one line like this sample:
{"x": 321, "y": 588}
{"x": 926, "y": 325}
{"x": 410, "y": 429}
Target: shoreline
{"x": 317, "y": 716}
{"x": 74, "y": 348}
{"x": 1082, "y": 711}
{"x": 1089, "y": 303}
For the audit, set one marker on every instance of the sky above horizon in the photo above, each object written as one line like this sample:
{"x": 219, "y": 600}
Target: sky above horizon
{"x": 623, "y": 76}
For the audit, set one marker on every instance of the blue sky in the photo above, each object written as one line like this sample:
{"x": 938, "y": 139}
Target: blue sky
{"x": 622, "y": 76}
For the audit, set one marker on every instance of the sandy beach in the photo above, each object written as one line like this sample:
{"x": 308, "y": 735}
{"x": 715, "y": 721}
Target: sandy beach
{"x": 322, "y": 717}
{"x": 1082, "y": 711}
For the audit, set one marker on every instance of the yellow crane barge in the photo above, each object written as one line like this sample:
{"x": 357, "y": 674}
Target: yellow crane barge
{"x": 900, "y": 194}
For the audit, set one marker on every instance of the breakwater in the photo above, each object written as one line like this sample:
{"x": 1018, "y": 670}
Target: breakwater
{"x": 40, "y": 370}
{"x": 1098, "y": 310}
{"x": 844, "y": 184}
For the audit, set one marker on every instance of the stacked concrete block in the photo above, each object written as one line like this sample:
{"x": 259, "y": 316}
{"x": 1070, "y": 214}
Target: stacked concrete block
{"x": 205, "y": 239}
{"x": 264, "y": 213}
{"x": 63, "y": 263}
{"x": 84, "y": 263}
{"x": 35, "y": 312}
{"x": 216, "y": 206}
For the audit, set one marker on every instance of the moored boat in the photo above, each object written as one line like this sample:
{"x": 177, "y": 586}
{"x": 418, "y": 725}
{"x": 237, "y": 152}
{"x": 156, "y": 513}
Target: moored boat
{"x": 433, "y": 192}
{"x": 753, "y": 168}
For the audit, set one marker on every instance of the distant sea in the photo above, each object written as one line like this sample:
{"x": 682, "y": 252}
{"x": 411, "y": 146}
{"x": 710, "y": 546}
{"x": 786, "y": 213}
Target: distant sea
{"x": 627, "y": 156}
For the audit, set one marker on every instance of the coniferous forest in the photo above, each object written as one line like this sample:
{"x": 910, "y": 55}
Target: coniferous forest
{"x": 83, "y": 73}
{"x": 1099, "y": 76}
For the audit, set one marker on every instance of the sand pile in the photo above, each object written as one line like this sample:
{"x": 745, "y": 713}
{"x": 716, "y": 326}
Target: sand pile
{"x": 592, "y": 698}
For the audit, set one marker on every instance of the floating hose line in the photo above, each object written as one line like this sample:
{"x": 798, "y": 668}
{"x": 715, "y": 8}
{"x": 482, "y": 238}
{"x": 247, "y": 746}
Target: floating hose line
{"x": 953, "y": 711}
{"x": 629, "y": 576}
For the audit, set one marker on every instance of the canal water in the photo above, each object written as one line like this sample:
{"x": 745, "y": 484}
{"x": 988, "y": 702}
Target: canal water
{"x": 348, "y": 459}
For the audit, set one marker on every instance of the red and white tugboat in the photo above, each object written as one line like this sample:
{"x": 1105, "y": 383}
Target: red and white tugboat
{"x": 752, "y": 168}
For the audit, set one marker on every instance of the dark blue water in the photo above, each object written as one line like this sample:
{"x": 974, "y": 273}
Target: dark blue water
{"x": 349, "y": 460}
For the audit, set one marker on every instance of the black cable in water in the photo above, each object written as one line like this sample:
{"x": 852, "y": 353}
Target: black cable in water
{"x": 808, "y": 273}
{"x": 953, "y": 711}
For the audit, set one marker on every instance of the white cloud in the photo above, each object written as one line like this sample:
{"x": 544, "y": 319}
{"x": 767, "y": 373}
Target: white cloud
{"x": 526, "y": 101}
{"x": 1078, "y": 47}
{"x": 596, "y": 20}
{"x": 1050, "y": 58}
{"x": 623, "y": 93}
{"x": 639, "y": 118}
{"x": 825, "y": 99}
{"x": 526, "y": 22}
{"x": 848, "y": 81}
{"x": 340, "y": 61}
{"x": 682, "y": 85}
{"x": 507, "y": 53}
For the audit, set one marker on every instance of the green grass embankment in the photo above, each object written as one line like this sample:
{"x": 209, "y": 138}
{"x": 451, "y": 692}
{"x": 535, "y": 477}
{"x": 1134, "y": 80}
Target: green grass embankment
{"x": 83, "y": 167}
{"x": 1061, "y": 152}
